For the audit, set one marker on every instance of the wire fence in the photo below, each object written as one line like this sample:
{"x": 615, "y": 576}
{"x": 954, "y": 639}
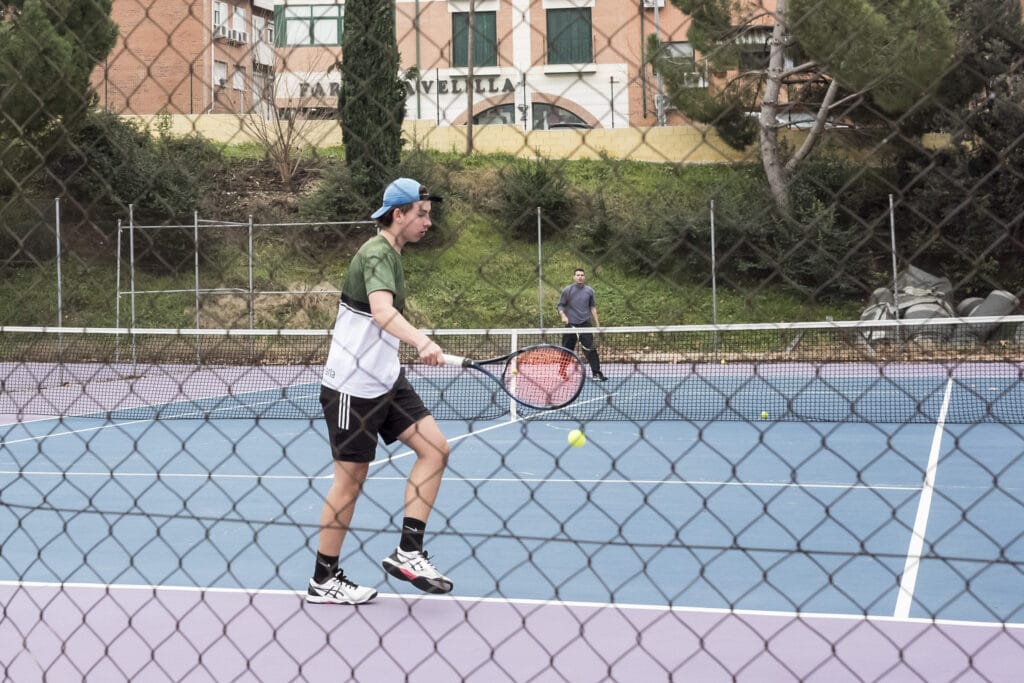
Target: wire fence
{"x": 248, "y": 291}
{"x": 780, "y": 205}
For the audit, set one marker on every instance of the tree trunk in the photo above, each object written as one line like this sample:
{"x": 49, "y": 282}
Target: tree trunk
{"x": 771, "y": 151}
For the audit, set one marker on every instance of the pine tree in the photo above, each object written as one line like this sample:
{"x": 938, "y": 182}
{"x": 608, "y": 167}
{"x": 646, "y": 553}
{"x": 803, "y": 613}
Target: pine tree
{"x": 963, "y": 212}
{"x": 882, "y": 56}
{"x": 48, "y": 48}
{"x": 372, "y": 97}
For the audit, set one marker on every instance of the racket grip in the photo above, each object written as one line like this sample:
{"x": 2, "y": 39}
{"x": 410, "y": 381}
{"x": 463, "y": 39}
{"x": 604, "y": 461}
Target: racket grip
{"x": 457, "y": 361}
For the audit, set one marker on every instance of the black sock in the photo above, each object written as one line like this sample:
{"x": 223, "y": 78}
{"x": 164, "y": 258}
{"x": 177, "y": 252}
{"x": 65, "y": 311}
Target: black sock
{"x": 412, "y": 534}
{"x": 326, "y": 565}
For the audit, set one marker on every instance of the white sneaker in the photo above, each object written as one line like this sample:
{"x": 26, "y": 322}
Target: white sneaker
{"x": 338, "y": 590}
{"x": 417, "y": 568}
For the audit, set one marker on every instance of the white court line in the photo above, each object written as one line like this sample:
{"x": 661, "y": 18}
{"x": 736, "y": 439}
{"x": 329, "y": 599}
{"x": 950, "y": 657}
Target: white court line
{"x": 511, "y": 421}
{"x": 909, "y": 581}
{"x": 376, "y": 463}
{"x": 448, "y": 477}
{"x": 503, "y": 480}
{"x": 198, "y": 415}
{"x": 299, "y": 594}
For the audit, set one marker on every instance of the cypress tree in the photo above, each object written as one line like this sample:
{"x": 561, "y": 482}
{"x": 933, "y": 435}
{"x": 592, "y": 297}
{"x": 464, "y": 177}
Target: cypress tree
{"x": 372, "y": 97}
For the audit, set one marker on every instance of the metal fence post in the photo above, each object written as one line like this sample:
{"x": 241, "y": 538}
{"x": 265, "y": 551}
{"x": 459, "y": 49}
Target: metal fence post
{"x": 540, "y": 273}
{"x": 60, "y": 290}
{"x": 252, "y": 295}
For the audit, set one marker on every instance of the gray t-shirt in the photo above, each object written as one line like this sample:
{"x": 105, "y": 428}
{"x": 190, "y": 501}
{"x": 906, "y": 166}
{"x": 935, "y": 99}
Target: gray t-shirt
{"x": 576, "y": 301}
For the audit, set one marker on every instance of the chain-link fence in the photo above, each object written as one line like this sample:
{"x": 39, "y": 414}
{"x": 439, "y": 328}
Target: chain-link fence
{"x": 802, "y": 225}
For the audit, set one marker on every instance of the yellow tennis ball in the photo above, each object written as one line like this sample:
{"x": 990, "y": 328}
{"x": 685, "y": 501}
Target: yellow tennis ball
{"x": 577, "y": 438}
{"x": 764, "y": 414}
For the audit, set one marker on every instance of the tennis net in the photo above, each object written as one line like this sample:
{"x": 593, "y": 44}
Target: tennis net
{"x": 884, "y": 371}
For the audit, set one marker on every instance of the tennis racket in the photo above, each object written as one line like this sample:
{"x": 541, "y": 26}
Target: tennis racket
{"x": 542, "y": 377}
{"x": 579, "y": 340}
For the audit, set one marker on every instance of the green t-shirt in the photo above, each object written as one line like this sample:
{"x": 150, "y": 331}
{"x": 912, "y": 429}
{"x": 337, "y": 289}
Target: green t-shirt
{"x": 363, "y": 358}
{"x": 375, "y": 267}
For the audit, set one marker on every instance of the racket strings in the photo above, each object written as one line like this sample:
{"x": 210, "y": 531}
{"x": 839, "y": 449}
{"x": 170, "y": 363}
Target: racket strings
{"x": 545, "y": 377}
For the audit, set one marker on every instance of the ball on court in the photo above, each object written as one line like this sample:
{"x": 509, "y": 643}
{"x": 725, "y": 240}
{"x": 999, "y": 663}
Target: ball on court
{"x": 764, "y": 414}
{"x": 577, "y": 438}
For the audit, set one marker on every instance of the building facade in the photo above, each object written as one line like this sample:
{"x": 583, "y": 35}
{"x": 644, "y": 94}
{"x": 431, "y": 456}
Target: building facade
{"x": 189, "y": 57}
{"x": 537, "y": 64}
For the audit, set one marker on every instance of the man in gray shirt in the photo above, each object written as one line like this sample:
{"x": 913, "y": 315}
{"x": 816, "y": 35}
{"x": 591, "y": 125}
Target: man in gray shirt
{"x": 577, "y": 308}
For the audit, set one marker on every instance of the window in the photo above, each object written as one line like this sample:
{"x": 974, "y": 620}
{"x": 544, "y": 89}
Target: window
{"x": 239, "y": 80}
{"x": 552, "y": 117}
{"x": 753, "y": 57}
{"x": 220, "y": 13}
{"x": 502, "y": 114}
{"x": 259, "y": 25}
{"x": 570, "y": 38}
{"x": 238, "y": 20}
{"x": 681, "y": 54}
{"x": 754, "y": 48}
{"x": 485, "y": 39}
{"x": 220, "y": 73}
{"x": 308, "y": 25}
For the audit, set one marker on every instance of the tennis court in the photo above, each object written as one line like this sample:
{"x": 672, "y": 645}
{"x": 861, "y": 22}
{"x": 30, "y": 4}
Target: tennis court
{"x": 877, "y": 538}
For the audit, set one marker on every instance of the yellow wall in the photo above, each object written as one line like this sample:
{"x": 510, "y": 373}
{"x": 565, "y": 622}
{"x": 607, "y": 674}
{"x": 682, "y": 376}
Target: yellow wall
{"x": 686, "y": 144}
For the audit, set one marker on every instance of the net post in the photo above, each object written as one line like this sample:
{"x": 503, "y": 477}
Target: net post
{"x": 195, "y": 256}
{"x": 895, "y": 275}
{"x": 117, "y": 278}
{"x": 117, "y": 293}
{"x": 252, "y": 302}
{"x": 60, "y": 291}
{"x": 131, "y": 273}
{"x": 513, "y": 412}
{"x": 714, "y": 277}
{"x": 540, "y": 272}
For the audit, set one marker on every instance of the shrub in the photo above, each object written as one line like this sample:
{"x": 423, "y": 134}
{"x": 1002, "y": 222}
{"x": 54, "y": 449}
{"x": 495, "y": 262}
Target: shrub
{"x": 111, "y": 164}
{"x": 523, "y": 186}
{"x": 835, "y": 239}
{"x": 27, "y": 238}
{"x": 337, "y": 198}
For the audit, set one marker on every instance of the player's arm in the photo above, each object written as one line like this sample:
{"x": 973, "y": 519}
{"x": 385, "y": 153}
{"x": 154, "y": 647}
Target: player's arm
{"x": 382, "y": 307}
{"x": 561, "y": 308}
{"x": 593, "y": 315}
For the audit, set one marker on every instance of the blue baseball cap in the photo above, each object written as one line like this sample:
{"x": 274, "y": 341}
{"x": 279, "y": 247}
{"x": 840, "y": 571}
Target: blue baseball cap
{"x": 403, "y": 191}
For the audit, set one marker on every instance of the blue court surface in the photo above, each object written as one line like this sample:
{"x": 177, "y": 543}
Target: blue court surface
{"x": 909, "y": 524}
{"x": 815, "y": 517}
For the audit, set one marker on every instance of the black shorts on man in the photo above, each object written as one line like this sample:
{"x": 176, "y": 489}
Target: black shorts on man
{"x": 353, "y": 423}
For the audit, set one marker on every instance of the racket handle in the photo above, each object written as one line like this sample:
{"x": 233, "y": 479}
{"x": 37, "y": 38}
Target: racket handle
{"x": 457, "y": 361}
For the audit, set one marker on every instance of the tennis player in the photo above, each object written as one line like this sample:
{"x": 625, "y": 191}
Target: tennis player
{"x": 578, "y": 308}
{"x": 365, "y": 395}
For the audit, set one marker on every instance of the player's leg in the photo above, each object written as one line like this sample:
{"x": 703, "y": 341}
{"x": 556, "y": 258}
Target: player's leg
{"x": 589, "y": 346}
{"x": 410, "y": 562}
{"x": 340, "y": 504}
{"x": 431, "y": 447}
{"x": 569, "y": 341}
{"x": 352, "y": 451}
{"x": 329, "y": 583}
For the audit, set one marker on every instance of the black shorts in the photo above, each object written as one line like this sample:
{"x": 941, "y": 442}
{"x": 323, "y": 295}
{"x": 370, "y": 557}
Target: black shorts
{"x": 353, "y": 423}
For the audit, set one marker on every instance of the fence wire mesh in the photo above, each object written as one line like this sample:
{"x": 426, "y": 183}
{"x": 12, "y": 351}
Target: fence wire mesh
{"x": 801, "y": 453}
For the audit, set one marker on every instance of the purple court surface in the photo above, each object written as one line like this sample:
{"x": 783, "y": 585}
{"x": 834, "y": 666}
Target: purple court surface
{"x": 96, "y": 632}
